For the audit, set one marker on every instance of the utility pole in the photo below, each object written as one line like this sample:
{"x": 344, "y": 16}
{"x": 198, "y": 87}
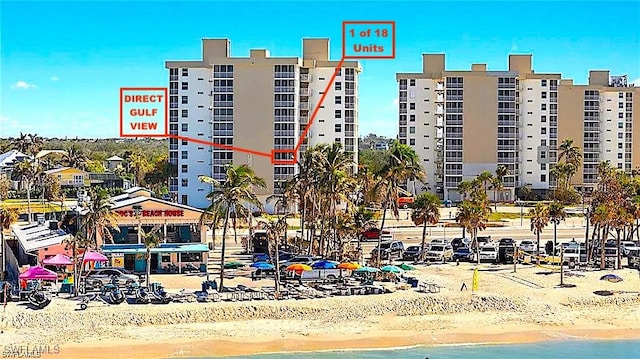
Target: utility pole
{"x": 515, "y": 256}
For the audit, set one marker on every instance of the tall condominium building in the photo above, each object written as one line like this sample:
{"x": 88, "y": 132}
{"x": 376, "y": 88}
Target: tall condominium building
{"x": 259, "y": 103}
{"x": 462, "y": 123}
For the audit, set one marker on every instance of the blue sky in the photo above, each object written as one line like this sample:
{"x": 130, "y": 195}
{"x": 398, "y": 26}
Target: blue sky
{"x": 62, "y": 63}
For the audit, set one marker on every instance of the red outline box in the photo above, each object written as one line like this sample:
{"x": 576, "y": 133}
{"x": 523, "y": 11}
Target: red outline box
{"x": 393, "y": 39}
{"x": 166, "y": 110}
{"x": 284, "y": 162}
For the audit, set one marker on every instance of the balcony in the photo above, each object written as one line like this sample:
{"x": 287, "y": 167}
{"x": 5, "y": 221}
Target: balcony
{"x": 349, "y": 77}
{"x": 440, "y": 98}
{"x": 349, "y": 133}
{"x": 507, "y": 110}
{"x": 453, "y": 147}
{"x": 402, "y": 99}
{"x": 453, "y": 159}
{"x": 507, "y": 135}
{"x": 173, "y": 91}
{"x": 173, "y": 147}
{"x": 222, "y": 103}
{"x": 349, "y": 120}
{"x": 350, "y": 105}
{"x": 305, "y": 91}
{"x": 507, "y": 148}
{"x": 451, "y": 122}
{"x": 454, "y": 98}
{"x": 351, "y": 92}
{"x": 173, "y": 188}
{"x": 304, "y": 118}
{"x": 507, "y": 160}
{"x": 283, "y": 104}
{"x": 507, "y": 123}
{"x": 284, "y": 89}
{"x": 403, "y": 122}
{"x": 283, "y": 133}
{"x": 220, "y": 161}
{"x": 283, "y": 147}
{"x": 284, "y": 118}
{"x": 592, "y": 108}
{"x": 553, "y": 111}
{"x": 403, "y": 87}
{"x": 284, "y": 75}
{"x": 304, "y": 106}
{"x": 305, "y": 77}
{"x": 223, "y": 132}
{"x": 403, "y": 110}
{"x": 506, "y": 98}
{"x": 223, "y": 75}
{"x": 223, "y": 118}
{"x": 222, "y": 88}
{"x": 349, "y": 148}
{"x": 553, "y": 100}
{"x": 439, "y": 110}
{"x": 592, "y": 97}
{"x": 173, "y": 77}
{"x": 282, "y": 176}
{"x": 553, "y": 87}
{"x": 439, "y": 86}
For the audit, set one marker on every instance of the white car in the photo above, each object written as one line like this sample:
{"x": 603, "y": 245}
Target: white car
{"x": 488, "y": 254}
{"x": 528, "y": 246}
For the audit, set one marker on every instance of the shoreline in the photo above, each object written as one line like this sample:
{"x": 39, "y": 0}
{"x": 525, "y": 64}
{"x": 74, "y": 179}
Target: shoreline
{"x": 368, "y": 342}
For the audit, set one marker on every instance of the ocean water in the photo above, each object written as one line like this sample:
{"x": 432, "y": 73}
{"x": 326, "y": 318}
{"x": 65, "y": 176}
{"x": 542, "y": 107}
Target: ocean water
{"x": 546, "y": 350}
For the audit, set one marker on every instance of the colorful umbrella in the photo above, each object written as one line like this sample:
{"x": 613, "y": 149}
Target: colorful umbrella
{"x": 324, "y": 264}
{"x": 349, "y": 266}
{"x": 391, "y": 269}
{"x": 299, "y": 267}
{"x": 58, "y": 260}
{"x": 405, "y": 266}
{"x": 611, "y": 278}
{"x": 38, "y": 272}
{"x": 367, "y": 270}
{"x": 262, "y": 265}
{"x": 92, "y": 256}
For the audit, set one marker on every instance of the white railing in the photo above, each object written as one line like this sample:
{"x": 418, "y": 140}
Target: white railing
{"x": 305, "y": 77}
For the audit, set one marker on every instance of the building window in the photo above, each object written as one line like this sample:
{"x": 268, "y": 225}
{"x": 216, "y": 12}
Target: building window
{"x": 619, "y": 146}
{"x": 543, "y": 178}
{"x": 185, "y": 127}
{"x": 620, "y": 135}
{"x": 544, "y": 94}
{"x": 543, "y": 167}
{"x": 338, "y": 127}
{"x": 543, "y": 107}
{"x": 185, "y": 182}
{"x": 185, "y": 72}
{"x": 620, "y": 104}
{"x": 412, "y": 118}
{"x": 185, "y": 142}
{"x": 184, "y": 199}
{"x": 338, "y": 100}
{"x": 185, "y": 155}
{"x": 412, "y": 106}
{"x": 185, "y": 168}
{"x": 543, "y": 131}
{"x": 412, "y": 129}
{"x": 620, "y": 125}
{"x": 620, "y": 94}
{"x": 543, "y": 83}
{"x": 185, "y": 100}
{"x": 412, "y": 82}
{"x": 338, "y": 86}
{"x": 185, "y": 113}
{"x": 543, "y": 155}
{"x": 338, "y": 113}
{"x": 620, "y": 115}
{"x": 185, "y": 85}
{"x": 543, "y": 143}
{"x": 543, "y": 118}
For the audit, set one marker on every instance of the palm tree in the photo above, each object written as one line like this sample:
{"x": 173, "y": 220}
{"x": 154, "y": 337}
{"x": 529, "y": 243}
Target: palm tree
{"x": 501, "y": 172}
{"x": 403, "y": 165}
{"x": 473, "y": 217}
{"x": 556, "y": 215}
{"x": 29, "y": 144}
{"x": 232, "y": 195}
{"x": 426, "y": 210}
{"x": 8, "y": 216}
{"x": 139, "y": 164}
{"x": 496, "y": 185}
{"x": 485, "y": 178}
{"x": 100, "y": 220}
{"x": 75, "y": 157}
{"x": 212, "y": 218}
{"x": 27, "y": 172}
{"x": 362, "y": 219}
{"x": 151, "y": 240}
{"x": 571, "y": 155}
{"x": 77, "y": 241}
{"x": 539, "y": 219}
{"x": 275, "y": 230}
{"x": 464, "y": 188}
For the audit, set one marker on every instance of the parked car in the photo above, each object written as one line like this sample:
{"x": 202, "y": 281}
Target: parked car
{"x": 463, "y": 254}
{"x": 389, "y": 250}
{"x": 460, "y": 242}
{"x": 488, "y": 253}
{"x": 528, "y": 246}
{"x": 412, "y": 253}
{"x": 439, "y": 252}
{"x": 372, "y": 233}
{"x": 100, "y": 277}
{"x": 627, "y": 246}
{"x": 314, "y": 274}
{"x": 482, "y": 240}
{"x": 439, "y": 241}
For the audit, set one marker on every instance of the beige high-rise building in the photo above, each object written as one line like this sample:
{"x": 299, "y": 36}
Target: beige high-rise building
{"x": 259, "y": 103}
{"x": 462, "y": 123}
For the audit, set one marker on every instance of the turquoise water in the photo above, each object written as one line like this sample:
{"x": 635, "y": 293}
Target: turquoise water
{"x": 547, "y": 350}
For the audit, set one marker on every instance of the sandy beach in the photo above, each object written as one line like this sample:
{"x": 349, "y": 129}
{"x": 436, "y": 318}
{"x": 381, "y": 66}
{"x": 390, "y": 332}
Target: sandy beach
{"x": 510, "y": 307}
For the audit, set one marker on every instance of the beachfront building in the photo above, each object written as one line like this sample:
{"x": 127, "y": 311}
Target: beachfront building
{"x": 69, "y": 177}
{"x": 182, "y": 236}
{"x": 261, "y": 103}
{"x": 462, "y": 123}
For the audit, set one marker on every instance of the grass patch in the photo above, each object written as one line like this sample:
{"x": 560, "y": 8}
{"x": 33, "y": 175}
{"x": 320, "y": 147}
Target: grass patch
{"x": 497, "y": 216}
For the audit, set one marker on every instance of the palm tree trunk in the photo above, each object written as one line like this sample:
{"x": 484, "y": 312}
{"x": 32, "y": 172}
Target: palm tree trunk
{"x": 619, "y": 265}
{"x": 475, "y": 239}
{"x": 29, "y": 201}
{"x": 277, "y": 269}
{"x": 149, "y": 268}
{"x": 78, "y": 280}
{"x": 384, "y": 216}
{"x": 603, "y": 241}
{"x": 555, "y": 237}
{"x": 302, "y": 218}
{"x": 538, "y": 247}
{"x": 224, "y": 247}
{"x": 424, "y": 238}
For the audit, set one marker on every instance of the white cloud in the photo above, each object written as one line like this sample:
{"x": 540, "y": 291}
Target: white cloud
{"x": 55, "y": 78}
{"x": 23, "y": 85}
{"x": 514, "y": 47}
{"x": 636, "y": 82}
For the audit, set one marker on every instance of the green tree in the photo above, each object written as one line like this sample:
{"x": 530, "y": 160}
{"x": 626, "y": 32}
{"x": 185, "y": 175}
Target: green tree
{"x": 75, "y": 157}
{"x": 236, "y": 191}
{"x": 426, "y": 211}
{"x": 8, "y": 216}
{"x": 151, "y": 240}
{"x": 556, "y": 215}
{"x": 275, "y": 230}
{"x": 539, "y": 219}
{"x": 473, "y": 216}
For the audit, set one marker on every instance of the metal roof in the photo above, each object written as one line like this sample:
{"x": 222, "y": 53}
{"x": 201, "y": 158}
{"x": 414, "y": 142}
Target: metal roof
{"x": 164, "y": 248}
{"x": 35, "y": 236}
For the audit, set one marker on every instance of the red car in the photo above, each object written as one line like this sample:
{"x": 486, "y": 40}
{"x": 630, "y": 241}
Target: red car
{"x": 372, "y": 233}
